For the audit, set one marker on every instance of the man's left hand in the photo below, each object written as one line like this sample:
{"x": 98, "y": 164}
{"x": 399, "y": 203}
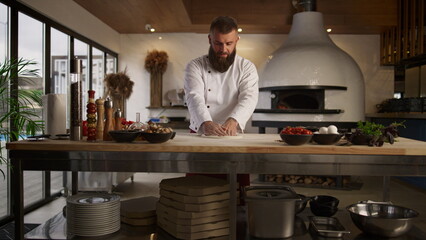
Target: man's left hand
{"x": 230, "y": 127}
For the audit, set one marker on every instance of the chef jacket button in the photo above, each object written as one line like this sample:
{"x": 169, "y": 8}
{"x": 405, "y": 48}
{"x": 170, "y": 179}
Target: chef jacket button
{"x": 208, "y": 106}
{"x": 209, "y": 89}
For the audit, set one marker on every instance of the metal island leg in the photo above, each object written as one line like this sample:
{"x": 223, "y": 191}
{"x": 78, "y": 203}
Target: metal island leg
{"x": 18, "y": 197}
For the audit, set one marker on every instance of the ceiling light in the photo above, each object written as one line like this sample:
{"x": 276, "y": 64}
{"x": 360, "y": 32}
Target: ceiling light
{"x": 149, "y": 28}
{"x": 239, "y": 29}
{"x": 328, "y": 29}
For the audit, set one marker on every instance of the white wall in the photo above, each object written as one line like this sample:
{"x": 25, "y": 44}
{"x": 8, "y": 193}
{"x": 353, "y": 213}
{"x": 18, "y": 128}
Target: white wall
{"x": 75, "y": 17}
{"x": 181, "y": 48}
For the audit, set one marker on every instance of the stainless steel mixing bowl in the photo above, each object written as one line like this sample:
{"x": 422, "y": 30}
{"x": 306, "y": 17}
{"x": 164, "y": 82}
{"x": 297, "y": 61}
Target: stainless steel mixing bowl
{"x": 382, "y": 219}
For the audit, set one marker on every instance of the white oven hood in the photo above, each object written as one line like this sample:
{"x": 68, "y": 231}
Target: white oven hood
{"x": 310, "y": 58}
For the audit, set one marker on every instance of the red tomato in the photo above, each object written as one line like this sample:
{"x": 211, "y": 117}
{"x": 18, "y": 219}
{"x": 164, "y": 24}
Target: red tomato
{"x": 296, "y": 131}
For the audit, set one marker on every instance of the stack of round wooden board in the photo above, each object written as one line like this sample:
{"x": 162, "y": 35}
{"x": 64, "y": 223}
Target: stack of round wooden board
{"x": 92, "y": 214}
{"x": 194, "y": 207}
{"x": 139, "y": 211}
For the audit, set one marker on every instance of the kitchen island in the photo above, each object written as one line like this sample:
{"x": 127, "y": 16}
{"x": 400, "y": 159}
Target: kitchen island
{"x": 253, "y": 153}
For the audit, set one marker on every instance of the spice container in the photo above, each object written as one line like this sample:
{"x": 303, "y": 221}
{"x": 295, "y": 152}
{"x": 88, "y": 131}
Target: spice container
{"x": 100, "y": 119}
{"x": 76, "y": 101}
{"x": 91, "y": 117}
{"x": 117, "y": 120}
{"x": 109, "y": 121}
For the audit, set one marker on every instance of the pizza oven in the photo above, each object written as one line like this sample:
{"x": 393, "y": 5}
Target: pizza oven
{"x": 309, "y": 81}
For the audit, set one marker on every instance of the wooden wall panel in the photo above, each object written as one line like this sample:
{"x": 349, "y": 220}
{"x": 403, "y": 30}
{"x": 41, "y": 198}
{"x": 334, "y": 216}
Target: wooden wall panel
{"x": 407, "y": 39}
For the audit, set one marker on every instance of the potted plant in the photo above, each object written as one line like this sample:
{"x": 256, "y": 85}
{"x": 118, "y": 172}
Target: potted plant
{"x": 374, "y": 134}
{"x": 17, "y": 105}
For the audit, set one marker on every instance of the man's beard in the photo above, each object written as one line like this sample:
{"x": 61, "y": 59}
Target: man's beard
{"x": 221, "y": 64}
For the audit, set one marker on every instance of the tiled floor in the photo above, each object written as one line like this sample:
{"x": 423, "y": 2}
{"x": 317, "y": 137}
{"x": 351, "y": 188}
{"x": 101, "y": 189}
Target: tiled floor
{"x": 146, "y": 184}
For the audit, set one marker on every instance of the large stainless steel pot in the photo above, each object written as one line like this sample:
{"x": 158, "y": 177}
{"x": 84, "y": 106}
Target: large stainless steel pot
{"x": 271, "y": 211}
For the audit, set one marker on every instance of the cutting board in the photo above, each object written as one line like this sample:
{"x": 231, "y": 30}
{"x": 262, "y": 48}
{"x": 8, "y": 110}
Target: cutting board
{"x": 197, "y": 185}
{"x": 188, "y": 207}
{"x": 139, "y": 221}
{"x": 192, "y": 221}
{"x": 190, "y": 236}
{"x": 139, "y": 207}
{"x": 199, "y": 199}
{"x": 175, "y": 213}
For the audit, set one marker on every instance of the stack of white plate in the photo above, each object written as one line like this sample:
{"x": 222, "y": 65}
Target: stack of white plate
{"x": 93, "y": 214}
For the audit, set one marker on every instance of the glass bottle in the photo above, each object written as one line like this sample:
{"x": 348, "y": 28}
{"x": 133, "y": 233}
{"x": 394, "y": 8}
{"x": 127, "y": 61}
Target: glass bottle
{"x": 138, "y": 125}
{"x": 76, "y": 101}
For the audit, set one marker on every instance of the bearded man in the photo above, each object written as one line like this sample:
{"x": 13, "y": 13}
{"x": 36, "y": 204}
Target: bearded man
{"x": 221, "y": 88}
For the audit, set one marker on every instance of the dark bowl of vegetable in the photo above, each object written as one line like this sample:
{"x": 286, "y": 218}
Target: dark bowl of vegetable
{"x": 292, "y": 139}
{"x": 296, "y": 135}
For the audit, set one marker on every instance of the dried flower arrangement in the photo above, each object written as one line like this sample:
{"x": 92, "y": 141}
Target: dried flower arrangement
{"x": 119, "y": 87}
{"x": 156, "y": 62}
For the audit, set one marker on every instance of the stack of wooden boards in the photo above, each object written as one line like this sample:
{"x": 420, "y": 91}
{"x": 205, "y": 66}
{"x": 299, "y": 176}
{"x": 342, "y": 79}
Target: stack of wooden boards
{"x": 139, "y": 211}
{"x": 194, "y": 207}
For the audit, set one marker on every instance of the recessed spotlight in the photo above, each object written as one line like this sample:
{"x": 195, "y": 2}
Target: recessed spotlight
{"x": 239, "y": 29}
{"x": 149, "y": 28}
{"x": 329, "y": 29}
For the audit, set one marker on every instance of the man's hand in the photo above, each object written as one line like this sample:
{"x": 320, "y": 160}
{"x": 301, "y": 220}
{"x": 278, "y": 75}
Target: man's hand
{"x": 230, "y": 127}
{"x": 211, "y": 128}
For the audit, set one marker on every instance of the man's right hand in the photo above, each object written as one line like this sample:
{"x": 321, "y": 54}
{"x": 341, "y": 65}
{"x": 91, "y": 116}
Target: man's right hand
{"x": 211, "y": 128}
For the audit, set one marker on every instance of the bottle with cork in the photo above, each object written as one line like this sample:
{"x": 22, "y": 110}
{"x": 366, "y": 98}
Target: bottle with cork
{"x": 109, "y": 121}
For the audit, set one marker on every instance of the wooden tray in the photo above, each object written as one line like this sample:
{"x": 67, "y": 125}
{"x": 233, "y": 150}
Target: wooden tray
{"x": 193, "y": 207}
{"x": 199, "y": 199}
{"x": 197, "y": 185}
{"x": 139, "y": 207}
{"x": 176, "y": 213}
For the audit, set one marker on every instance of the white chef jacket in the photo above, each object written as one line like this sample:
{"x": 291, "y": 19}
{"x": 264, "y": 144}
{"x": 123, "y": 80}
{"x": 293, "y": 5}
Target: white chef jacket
{"x": 214, "y": 96}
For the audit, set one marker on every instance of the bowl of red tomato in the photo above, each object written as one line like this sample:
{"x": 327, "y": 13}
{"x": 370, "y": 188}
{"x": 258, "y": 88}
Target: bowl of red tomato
{"x": 296, "y": 135}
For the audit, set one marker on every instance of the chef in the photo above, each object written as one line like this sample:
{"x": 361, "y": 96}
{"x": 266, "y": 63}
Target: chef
{"x": 221, "y": 88}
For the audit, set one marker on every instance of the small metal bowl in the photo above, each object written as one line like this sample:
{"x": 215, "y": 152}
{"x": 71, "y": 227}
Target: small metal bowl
{"x": 384, "y": 220}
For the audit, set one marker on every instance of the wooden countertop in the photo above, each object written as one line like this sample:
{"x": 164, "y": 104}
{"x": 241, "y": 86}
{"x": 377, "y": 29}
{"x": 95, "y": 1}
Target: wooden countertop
{"x": 249, "y": 143}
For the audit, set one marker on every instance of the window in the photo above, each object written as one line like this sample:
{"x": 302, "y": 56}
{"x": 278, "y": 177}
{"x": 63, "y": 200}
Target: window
{"x": 98, "y": 72}
{"x": 111, "y": 62}
{"x": 59, "y": 61}
{"x": 30, "y": 47}
{"x": 81, "y": 51}
{"x": 59, "y": 55}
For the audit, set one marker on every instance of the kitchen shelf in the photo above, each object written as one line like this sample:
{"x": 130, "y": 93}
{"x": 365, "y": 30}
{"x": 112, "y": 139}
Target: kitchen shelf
{"x": 55, "y": 227}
